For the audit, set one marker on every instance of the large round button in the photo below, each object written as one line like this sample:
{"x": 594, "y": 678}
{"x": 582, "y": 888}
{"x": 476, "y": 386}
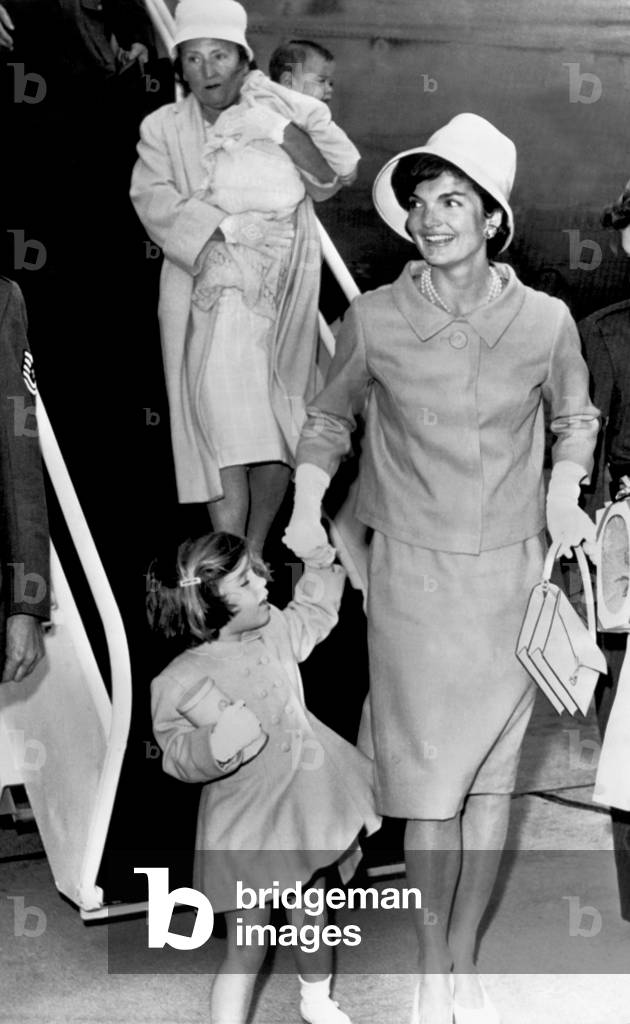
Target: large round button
{"x": 264, "y": 660}
{"x": 275, "y": 719}
{"x": 458, "y": 340}
{"x": 285, "y": 747}
{"x": 262, "y": 692}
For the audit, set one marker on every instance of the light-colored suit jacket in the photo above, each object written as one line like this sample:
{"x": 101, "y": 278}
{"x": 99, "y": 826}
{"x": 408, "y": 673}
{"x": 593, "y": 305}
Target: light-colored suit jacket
{"x": 452, "y": 457}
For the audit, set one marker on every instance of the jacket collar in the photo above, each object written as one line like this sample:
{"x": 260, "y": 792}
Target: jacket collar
{"x": 427, "y": 320}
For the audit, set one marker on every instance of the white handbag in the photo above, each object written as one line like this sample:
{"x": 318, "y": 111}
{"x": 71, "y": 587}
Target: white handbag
{"x": 556, "y": 647}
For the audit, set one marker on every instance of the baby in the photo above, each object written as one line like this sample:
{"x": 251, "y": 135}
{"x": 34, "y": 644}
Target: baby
{"x": 247, "y": 173}
{"x": 305, "y": 67}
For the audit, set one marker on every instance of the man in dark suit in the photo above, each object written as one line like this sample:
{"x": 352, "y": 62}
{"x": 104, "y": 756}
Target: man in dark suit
{"x": 24, "y": 542}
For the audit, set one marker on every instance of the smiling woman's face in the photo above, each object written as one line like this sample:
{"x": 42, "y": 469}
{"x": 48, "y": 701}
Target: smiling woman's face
{"x": 215, "y": 73}
{"x": 446, "y": 220}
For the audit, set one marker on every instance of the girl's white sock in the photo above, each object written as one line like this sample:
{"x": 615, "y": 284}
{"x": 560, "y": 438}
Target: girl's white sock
{"x": 313, "y": 992}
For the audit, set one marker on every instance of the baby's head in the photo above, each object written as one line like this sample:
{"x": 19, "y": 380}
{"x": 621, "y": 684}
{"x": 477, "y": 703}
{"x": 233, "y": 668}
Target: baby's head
{"x": 305, "y": 67}
{"x": 214, "y": 587}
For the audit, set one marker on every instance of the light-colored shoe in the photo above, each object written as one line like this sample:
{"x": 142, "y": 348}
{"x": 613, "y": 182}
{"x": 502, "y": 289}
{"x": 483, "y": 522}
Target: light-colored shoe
{"x": 415, "y": 1009}
{"x": 486, "y": 1014}
{"x": 325, "y": 1011}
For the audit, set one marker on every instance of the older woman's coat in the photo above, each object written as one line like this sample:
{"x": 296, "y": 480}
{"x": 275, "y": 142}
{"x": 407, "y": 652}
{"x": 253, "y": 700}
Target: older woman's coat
{"x": 167, "y": 186}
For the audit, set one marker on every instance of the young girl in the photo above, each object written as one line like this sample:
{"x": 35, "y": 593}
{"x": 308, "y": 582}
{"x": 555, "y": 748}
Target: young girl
{"x": 271, "y": 812}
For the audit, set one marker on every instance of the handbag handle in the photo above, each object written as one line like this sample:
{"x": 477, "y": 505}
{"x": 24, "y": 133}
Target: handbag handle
{"x": 586, "y": 581}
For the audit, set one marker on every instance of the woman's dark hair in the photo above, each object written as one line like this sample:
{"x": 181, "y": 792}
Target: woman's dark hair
{"x": 416, "y": 167}
{"x": 196, "y": 611}
{"x": 617, "y": 215}
{"x": 243, "y": 58}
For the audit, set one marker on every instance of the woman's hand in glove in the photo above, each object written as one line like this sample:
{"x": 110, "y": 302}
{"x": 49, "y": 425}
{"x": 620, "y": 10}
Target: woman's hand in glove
{"x": 567, "y": 523}
{"x": 305, "y": 534}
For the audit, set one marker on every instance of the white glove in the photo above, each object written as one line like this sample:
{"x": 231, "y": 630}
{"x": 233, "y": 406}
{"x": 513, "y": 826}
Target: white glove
{"x": 321, "y": 558}
{"x": 260, "y": 231}
{"x": 567, "y": 523}
{"x": 305, "y": 534}
{"x": 236, "y": 728}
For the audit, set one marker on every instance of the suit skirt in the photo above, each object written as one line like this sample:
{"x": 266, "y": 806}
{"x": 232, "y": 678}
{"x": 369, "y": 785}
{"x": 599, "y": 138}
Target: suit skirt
{"x": 449, "y": 701}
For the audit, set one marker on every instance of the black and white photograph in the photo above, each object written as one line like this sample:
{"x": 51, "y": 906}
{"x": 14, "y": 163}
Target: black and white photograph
{"x": 315, "y": 495}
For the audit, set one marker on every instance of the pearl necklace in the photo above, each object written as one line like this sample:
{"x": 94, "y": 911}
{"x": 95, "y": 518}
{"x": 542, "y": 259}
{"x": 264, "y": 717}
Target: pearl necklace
{"x": 427, "y": 286}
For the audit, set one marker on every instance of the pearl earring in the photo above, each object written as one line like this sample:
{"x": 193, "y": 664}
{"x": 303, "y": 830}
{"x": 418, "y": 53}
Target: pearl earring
{"x": 489, "y": 231}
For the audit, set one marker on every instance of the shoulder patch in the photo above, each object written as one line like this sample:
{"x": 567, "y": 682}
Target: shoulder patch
{"x": 28, "y": 371}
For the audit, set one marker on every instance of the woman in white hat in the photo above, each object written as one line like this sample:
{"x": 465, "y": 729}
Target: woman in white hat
{"x": 220, "y": 185}
{"x": 455, "y": 359}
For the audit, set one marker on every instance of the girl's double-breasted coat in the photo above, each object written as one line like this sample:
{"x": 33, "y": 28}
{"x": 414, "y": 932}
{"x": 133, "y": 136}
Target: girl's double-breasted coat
{"x": 302, "y": 801}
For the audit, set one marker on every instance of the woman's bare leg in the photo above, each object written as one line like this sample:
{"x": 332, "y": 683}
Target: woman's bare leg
{"x": 234, "y": 981}
{"x": 484, "y": 828}
{"x": 268, "y": 482}
{"x": 433, "y": 860}
{"x": 230, "y": 512}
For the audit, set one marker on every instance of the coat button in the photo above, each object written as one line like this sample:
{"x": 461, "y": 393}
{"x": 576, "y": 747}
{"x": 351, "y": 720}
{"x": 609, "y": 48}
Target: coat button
{"x": 458, "y": 340}
{"x": 264, "y": 660}
{"x": 261, "y": 691}
{"x": 285, "y": 747}
{"x": 275, "y": 719}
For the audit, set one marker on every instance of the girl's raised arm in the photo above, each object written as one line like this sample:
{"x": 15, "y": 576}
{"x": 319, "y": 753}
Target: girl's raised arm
{"x": 313, "y": 612}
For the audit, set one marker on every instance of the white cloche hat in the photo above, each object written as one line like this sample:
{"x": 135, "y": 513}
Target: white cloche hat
{"x": 211, "y": 19}
{"x": 474, "y": 146}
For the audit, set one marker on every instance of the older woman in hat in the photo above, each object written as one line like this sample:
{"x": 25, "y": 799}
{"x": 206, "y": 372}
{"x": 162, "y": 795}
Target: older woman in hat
{"x": 455, "y": 359}
{"x": 220, "y": 185}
